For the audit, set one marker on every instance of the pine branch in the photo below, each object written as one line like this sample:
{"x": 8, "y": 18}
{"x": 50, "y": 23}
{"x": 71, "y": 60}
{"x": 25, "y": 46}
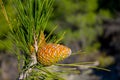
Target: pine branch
{"x": 33, "y": 15}
{"x": 23, "y": 75}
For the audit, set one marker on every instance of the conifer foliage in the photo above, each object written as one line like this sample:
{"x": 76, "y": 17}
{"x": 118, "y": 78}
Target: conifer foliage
{"x": 28, "y": 37}
{"x": 35, "y": 51}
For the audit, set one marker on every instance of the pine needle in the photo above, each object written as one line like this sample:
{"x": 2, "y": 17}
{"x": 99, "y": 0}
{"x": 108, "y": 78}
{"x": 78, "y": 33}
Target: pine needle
{"x": 83, "y": 66}
{"x": 5, "y": 14}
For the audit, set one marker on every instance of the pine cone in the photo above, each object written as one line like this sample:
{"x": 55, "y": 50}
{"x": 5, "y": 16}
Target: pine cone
{"x": 52, "y": 53}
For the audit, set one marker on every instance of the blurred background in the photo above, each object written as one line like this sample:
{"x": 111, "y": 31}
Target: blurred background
{"x": 92, "y": 26}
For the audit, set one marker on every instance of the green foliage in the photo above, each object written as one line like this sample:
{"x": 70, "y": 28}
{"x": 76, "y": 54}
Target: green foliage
{"x": 81, "y": 20}
{"x": 105, "y": 60}
{"x": 4, "y": 41}
{"x": 105, "y": 14}
{"x": 33, "y": 17}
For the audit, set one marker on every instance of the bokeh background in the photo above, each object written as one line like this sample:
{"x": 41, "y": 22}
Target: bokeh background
{"x": 92, "y": 26}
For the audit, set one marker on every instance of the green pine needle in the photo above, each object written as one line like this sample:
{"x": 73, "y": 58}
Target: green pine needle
{"x": 80, "y": 64}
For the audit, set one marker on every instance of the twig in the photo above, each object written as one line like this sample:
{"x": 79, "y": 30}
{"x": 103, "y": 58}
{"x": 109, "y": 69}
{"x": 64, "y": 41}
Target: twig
{"x": 23, "y": 75}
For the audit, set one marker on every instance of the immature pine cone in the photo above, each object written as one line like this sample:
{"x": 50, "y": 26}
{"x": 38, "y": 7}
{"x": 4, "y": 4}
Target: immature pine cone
{"x": 52, "y": 53}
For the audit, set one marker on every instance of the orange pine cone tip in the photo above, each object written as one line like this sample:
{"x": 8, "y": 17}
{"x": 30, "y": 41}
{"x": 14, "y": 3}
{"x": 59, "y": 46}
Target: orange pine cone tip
{"x": 52, "y": 53}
